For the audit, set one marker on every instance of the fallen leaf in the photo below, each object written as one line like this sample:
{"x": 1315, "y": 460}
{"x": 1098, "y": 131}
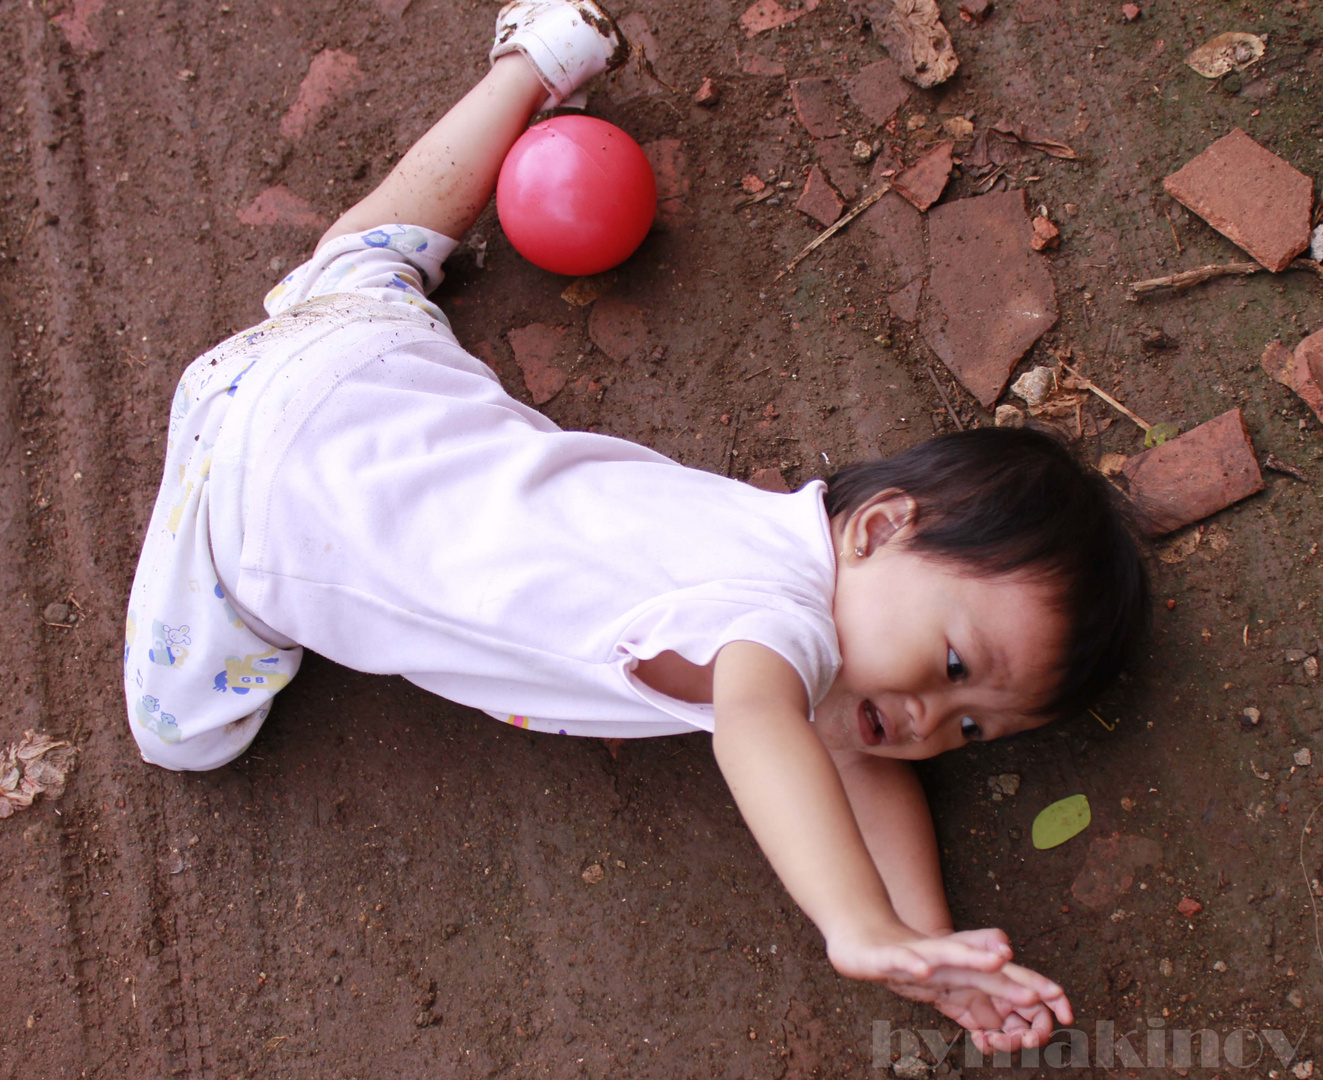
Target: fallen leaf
{"x": 1111, "y": 464}
{"x": 1057, "y": 823}
{"x": 1231, "y": 51}
{"x": 958, "y": 127}
{"x": 1160, "y": 433}
{"x": 36, "y": 765}
{"x": 915, "y": 37}
{"x": 1016, "y": 133}
{"x": 1181, "y": 545}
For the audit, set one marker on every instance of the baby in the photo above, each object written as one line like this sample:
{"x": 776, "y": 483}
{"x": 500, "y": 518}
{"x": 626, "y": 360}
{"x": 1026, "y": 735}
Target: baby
{"x": 344, "y": 477}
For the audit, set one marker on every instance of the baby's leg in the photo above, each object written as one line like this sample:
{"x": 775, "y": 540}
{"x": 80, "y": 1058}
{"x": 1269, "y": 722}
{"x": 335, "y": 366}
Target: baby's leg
{"x": 446, "y": 180}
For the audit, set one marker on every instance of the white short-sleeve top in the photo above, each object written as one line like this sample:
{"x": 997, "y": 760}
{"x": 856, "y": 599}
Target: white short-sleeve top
{"x": 379, "y": 498}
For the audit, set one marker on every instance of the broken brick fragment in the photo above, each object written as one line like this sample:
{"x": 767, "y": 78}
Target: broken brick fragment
{"x": 990, "y": 296}
{"x": 1189, "y": 907}
{"x": 1046, "y": 235}
{"x": 542, "y": 353}
{"x": 707, "y": 93}
{"x": 770, "y": 480}
{"x": 1300, "y": 371}
{"x": 1131, "y": 12}
{"x": 818, "y": 104}
{"x": 1195, "y": 475}
{"x": 878, "y": 91}
{"x": 618, "y": 328}
{"x": 1250, "y": 195}
{"x": 751, "y": 184}
{"x": 819, "y": 199}
{"x": 923, "y": 182}
{"x": 977, "y": 10}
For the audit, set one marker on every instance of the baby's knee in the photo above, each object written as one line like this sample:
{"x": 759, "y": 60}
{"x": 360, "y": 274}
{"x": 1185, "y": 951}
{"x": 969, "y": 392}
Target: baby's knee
{"x": 163, "y": 740}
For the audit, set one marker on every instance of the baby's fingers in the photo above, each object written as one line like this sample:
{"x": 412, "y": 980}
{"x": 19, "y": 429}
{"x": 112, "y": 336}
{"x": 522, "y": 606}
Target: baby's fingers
{"x": 1052, "y": 995}
{"x": 956, "y": 951}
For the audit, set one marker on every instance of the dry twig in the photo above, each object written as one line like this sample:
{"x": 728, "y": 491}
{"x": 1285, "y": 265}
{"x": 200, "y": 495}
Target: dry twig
{"x": 1186, "y": 278}
{"x": 1276, "y": 464}
{"x": 1085, "y": 384}
{"x": 945, "y": 400}
{"x": 832, "y": 230}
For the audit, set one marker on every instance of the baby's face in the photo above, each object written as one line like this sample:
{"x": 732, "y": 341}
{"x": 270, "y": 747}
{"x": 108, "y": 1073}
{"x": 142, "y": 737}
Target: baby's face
{"x": 933, "y": 656}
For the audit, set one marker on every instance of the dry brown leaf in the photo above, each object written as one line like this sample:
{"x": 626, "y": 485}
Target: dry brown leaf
{"x": 1111, "y": 464}
{"x": 1180, "y": 546}
{"x": 36, "y": 765}
{"x": 914, "y": 35}
{"x": 1016, "y": 133}
{"x": 1227, "y": 52}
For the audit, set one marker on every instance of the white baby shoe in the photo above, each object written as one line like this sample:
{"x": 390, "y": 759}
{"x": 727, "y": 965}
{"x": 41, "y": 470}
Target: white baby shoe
{"x": 566, "y": 41}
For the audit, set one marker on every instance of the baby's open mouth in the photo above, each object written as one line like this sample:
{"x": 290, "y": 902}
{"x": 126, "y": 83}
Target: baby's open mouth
{"x": 871, "y": 728}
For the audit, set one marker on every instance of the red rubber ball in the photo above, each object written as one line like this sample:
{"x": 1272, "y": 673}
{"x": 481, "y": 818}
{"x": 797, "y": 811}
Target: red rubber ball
{"x": 576, "y": 195}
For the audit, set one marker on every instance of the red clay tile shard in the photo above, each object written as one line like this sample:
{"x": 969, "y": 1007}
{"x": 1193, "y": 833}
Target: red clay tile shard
{"x": 819, "y": 199}
{"x": 1189, "y": 907}
{"x": 1131, "y": 12}
{"x": 1046, "y": 235}
{"x": 708, "y": 93}
{"x": 618, "y": 328}
{"x": 770, "y": 480}
{"x": 768, "y": 15}
{"x": 1249, "y": 195}
{"x": 1301, "y": 370}
{"x": 840, "y": 167}
{"x": 537, "y": 348}
{"x": 990, "y": 295}
{"x": 1197, "y": 474}
{"x": 279, "y": 206}
{"x": 818, "y": 103}
{"x": 1110, "y": 868}
{"x": 753, "y": 64}
{"x": 878, "y": 90}
{"x": 923, "y": 182}
{"x": 331, "y": 75}
{"x": 905, "y": 303}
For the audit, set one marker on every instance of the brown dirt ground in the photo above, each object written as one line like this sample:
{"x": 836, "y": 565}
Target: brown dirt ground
{"x": 389, "y": 885}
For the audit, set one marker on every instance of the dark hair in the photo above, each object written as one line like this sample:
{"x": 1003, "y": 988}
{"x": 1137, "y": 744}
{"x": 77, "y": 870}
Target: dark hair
{"x": 1007, "y": 500}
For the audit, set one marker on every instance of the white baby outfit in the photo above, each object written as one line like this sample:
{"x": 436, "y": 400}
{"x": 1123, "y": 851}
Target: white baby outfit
{"x": 347, "y": 478}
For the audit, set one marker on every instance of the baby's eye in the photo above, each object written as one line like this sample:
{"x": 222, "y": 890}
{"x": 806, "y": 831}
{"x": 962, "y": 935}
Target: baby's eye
{"x": 969, "y": 729}
{"x": 955, "y": 667}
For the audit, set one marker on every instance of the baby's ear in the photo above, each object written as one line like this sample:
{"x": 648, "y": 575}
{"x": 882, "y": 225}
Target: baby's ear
{"x": 884, "y": 519}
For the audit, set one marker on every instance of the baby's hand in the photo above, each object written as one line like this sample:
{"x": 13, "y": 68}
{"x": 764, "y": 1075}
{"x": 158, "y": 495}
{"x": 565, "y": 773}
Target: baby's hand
{"x": 965, "y": 976}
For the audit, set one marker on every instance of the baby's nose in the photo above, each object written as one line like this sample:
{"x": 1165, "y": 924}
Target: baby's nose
{"x": 924, "y": 717}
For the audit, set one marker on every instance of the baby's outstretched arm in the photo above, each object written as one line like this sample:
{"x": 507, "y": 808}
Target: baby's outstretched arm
{"x": 791, "y": 796}
{"x": 447, "y": 178}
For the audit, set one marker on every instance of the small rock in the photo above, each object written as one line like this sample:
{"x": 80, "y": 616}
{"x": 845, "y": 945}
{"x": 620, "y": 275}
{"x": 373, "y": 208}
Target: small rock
{"x": 861, "y": 153}
{"x": 422, "y": 1020}
{"x": 1219, "y": 965}
{"x": 1046, "y": 235}
{"x": 1131, "y": 12}
{"x": 336, "y": 980}
{"x": 1127, "y": 803}
{"x": 1303, "y": 757}
{"x": 1316, "y": 244}
{"x": 708, "y": 93}
{"x": 1111, "y": 464}
{"x": 56, "y": 612}
{"x": 1165, "y": 968}
{"x": 1035, "y": 385}
{"x": 1311, "y": 666}
{"x": 594, "y": 875}
{"x": 1072, "y": 209}
{"x": 174, "y": 863}
{"x": 1008, "y": 416}
{"x": 1302, "y": 1070}
{"x": 977, "y": 10}
{"x": 154, "y": 947}
{"x": 1250, "y": 716}
{"x": 752, "y": 184}
{"x": 1005, "y": 783}
{"x": 1189, "y": 907}
{"x": 1296, "y": 999}
{"x": 910, "y": 1067}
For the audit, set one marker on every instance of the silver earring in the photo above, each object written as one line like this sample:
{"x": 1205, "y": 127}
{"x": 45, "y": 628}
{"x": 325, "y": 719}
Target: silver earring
{"x": 859, "y": 553}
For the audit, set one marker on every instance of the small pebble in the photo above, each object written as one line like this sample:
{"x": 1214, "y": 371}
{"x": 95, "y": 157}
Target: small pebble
{"x": 1302, "y": 1070}
{"x": 1296, "y": 999}
{"x": 1166, "y": 968}
{"x": 1036, "y": 384}
{"x": 1009, "y": 416}
{"x": 594, "y": 875}
{"x": 708, "y": 93}
{"x": 57, "y": 613}
{"x": 1189, "y": 907}
{"x": 1220, "y": 965}
{"x": 910, "y": 1067}
{"x": 1303, "y": 757}
{"x": 337, "y": 980}
{"x": 1311, "y": 666}
{"x": 861, "y": 153}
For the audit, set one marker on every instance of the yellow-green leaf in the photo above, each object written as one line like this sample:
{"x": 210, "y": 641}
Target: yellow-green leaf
{"x": 1057, "y": 823}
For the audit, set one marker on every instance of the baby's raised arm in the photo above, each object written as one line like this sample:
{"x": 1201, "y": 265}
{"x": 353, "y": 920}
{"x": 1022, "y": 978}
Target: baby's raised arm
{"x": 791, "y": 796}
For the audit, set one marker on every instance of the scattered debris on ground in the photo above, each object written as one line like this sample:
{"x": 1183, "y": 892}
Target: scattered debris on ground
{"x": 1301, "y": 369}
{"x": 1110, "y": 868}
{"x": 35, "y": 765}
